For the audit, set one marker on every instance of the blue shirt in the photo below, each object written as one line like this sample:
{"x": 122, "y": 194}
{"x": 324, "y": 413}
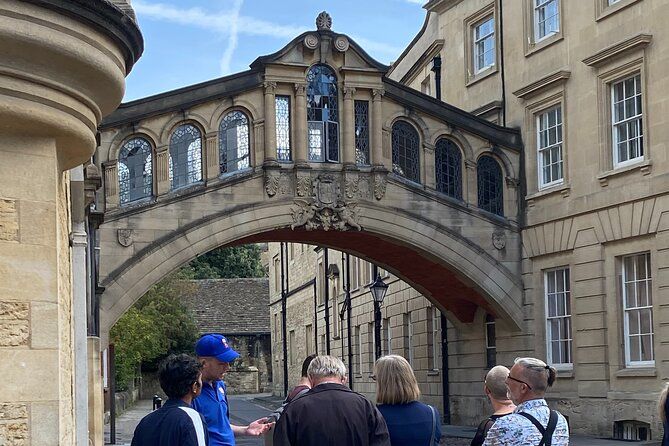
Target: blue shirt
{"x": 213, "y": 405}
{"x": 174, "y": 424}
{"x": 410, "y": 424}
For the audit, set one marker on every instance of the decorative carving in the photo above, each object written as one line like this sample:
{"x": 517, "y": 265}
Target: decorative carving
{"x": 324, "y": 21}
{"x": 303, "y": 185}
{"x": 326, "y": 189}
{"x": 377, "y": 94}
{"x": 349, "y": 93}
{"x": 312, "y": 215}
{"x": 351, "y": 186}
{"x": 379, "y": 185}
{"x": 271, "y": 183}
{"x": 285, "y": 184}
{"x": 311, "y": 41}
{"x": 341, "y": 44}
{"x": 270, "y": 87}
{"x": 125, "y": 237}
{"x": 498, "y": 240}
{"x": 300, "y": 89}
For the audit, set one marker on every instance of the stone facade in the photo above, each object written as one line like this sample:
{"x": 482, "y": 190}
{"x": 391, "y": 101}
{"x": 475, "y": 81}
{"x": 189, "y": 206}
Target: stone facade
{"x": 601, "y": 209}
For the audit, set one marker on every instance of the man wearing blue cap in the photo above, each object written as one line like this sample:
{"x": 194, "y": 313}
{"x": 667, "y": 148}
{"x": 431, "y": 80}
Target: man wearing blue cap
{"x": 216, "y": 356}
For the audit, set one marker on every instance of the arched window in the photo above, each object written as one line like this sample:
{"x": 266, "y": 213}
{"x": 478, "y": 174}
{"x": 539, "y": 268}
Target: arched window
{"x": 489, "y": 181}
{"x": 185, "y": 156}
{"x": 405, "y": 151}
{"x": 233, "y": 142}
{"x": 322, "y": 114}
{"x": 135, "y": 170}
{"x": 448, "y": 166}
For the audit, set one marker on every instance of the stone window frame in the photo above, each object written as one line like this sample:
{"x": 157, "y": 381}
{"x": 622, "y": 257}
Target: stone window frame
{"x": 152, "y": 156}
{"x": 549, "y": 358}
{"x": 532, "y": 44}
{"x": 249, "y": 126}
{"x": 434, "y": 339}
{"x": 489, "y": 325}
{"x": 552, "y": 103}
{"x": 604, "y": 8}
{"x": 617, "y": 164}
{"x": 629, "y": 364}
{"x": 200, "y": 129}
{"x": 470, "y": 23}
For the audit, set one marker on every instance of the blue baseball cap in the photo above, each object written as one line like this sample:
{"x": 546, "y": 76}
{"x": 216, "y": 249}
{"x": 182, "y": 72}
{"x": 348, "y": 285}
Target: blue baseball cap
{"x": 217, "y": 346}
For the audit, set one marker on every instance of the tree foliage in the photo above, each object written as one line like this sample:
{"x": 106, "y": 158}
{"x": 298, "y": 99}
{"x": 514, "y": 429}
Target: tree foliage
{"x": 227, "y": 263}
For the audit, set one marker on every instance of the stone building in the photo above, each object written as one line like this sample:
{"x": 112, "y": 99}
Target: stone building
{"x": 237, "y": 308}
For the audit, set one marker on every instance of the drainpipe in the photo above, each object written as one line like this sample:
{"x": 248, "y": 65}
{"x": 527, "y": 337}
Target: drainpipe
{"x": 315, "y": 318}
{"x": 326, "y": 287}
{"x": 501, "y": 61}
{"x": 436, "y": 67}
{"x": 444, "y": 370}
{"x": 283, "y": 320}
{"x": 348, "y": 319}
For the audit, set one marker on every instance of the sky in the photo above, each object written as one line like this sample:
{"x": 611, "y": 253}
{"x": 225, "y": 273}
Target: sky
{"x": 191, "y": 41}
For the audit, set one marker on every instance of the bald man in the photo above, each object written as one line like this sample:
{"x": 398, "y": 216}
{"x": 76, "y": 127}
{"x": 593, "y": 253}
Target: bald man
{"x": 495, "y": 389}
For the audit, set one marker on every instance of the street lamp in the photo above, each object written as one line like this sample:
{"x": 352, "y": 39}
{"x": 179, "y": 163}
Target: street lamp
{"x": 378, "y": 289}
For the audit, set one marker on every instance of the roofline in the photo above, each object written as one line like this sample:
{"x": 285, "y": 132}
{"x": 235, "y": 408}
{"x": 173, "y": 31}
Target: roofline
{"x": 412, "y": 43}
{"x": 503, "y": 136}
{"x": 106, "y": 18}
{"x": 182, "y": 98}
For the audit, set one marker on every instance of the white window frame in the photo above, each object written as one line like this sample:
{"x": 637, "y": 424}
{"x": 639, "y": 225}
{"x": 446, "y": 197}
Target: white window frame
{"x": 389, "y": 336}
{"x": 354, "y": 279}
{"x": 539, "y": 6}
{"x": 435, "y": 317}
{"x": 410, "y": 346}
{"x": 557, "y": 144}
{"x": 612, "y": 2}
{"x": 476, "y": 41}
{"x": 628, "y": 311}
{"x": 636, "y": 120}
{"x": 564, "y": 294}
{"x": 489, "y": 346}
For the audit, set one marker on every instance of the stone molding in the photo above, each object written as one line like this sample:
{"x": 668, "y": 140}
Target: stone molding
{"x": 640, "y": 41}
{"x": 557, "y": 78}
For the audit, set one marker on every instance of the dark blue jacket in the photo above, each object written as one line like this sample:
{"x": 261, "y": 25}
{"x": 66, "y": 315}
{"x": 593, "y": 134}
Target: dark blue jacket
{"x": 410, "y": 424}
{"x": 174, "y": 424}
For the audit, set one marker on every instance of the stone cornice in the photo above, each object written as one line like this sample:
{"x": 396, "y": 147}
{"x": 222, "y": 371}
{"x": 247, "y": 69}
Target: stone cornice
{"x": 430, "y": 52}
{"x": 553, "y": 79}
{"x": 639, "y": 41}
{"x": 107, "y": 18}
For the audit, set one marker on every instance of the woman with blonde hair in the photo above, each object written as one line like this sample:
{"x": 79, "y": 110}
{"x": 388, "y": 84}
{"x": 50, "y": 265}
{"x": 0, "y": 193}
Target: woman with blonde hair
{"x": 410, "y": 422}
{"x": 663, "y": 409}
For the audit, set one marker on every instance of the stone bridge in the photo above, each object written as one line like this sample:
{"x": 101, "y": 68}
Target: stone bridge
{"x": 313, "y": 144}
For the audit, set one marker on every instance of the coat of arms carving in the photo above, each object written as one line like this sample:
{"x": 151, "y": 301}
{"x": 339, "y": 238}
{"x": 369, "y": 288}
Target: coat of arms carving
{"x": 326, "y": 209}
{"x": 124, "y": 237}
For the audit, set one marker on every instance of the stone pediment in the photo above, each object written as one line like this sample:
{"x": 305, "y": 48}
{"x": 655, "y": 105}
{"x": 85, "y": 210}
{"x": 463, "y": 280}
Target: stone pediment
{"x": 320, "y": 45}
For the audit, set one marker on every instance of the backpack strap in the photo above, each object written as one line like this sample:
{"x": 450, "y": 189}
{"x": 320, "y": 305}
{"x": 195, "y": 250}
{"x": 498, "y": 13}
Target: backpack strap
{"x": 434, "y": 426}
{"x": 547, "y": 432}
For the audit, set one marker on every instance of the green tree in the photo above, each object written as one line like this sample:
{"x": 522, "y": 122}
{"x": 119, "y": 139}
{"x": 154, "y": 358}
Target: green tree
{"x": 227, "y": 263}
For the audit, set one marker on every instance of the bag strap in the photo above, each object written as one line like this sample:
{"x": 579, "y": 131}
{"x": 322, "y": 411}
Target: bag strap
{"x": 547, "y": 432}
{"x": 434, "y": 426}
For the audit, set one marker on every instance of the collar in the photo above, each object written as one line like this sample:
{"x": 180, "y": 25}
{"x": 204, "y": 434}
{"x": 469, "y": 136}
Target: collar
{"x": 175, "y": 402}
{"x": 531, "y": 404}
{"x": 330, "y": 386}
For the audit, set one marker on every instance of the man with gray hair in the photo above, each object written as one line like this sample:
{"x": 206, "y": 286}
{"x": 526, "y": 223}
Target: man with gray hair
{"x": 495, "y": 389}
{"x": 532, "y": 423}
{"x": 330, "y": 414}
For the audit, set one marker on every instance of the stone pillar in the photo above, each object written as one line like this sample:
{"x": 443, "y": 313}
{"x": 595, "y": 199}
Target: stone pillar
{"x": 470, "y": 189}
{"x": 377, "y": 128}
{"x": 162, "y": 170}
{"x": 111, "y": 184}
{"x": 96, "y": 405}
{"x": 213, "y": 166}
{"x": 301, "y": 125}
{"x": 427, "y": 166}
{"x": 348, "y": 143}
{"x": 270, "y": 123}
{"x": 82, "y": 55}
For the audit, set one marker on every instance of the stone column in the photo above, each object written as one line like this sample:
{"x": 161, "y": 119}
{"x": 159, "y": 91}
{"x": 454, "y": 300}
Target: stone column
{"x": 348, "y": 143}
{"x": 377, "y": 128}
{"x": 427, "y": 166}
{"x": 213, "y": 167}
{"x": 95, "y": 393}
{"x": 470, "y": 189}
{"x": 301, "y": 125}
{"x": 111, "y": 184}
{"x": 270, "y": 123}
{"x": 162, "y": 170}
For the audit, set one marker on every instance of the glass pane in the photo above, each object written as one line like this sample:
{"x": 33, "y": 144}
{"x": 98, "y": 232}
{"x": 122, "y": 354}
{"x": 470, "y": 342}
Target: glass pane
{"x": 642, "y": 266}
{"x": 635, "y": 349}
{"x": 555, "y": 351}
{"x": 628, "y": 264}
{"x": 647, "y": 348}
{"x": 186, "y": 154}
{"x": 641, "y": 295}
{"x": 633, "y": 322}
{"x": 646, "y": 321}
{"x": 630, "y": 295}
{"x": 283, "y": 128}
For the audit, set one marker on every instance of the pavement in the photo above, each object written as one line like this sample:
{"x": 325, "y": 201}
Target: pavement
{"x": 247, "y": 408}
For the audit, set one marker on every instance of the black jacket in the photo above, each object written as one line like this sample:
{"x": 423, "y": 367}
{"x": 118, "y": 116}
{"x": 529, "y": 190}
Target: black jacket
{"x": 331, "y": 415}
{"x": 174, "y": 424}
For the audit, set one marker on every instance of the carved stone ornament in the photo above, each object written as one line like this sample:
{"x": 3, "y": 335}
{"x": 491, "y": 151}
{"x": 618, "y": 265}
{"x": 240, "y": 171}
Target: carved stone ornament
{"x": 125, "y": 237}
{"x": 379, "y": 186}
{"x": 271, "y": 183}
{"x": 326, "y": 189}
{"x": 498, "y": 240}
{"x": 311, "y": 41}
{"x": 341, "y": 44}
{"x": 303, "y": 185}
{"x": 351, "y": 187}
{"x": 323, "y": 21}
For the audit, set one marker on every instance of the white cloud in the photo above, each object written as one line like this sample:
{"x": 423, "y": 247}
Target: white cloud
{"x": 232, "y": 43}
{"x": 418, "y": 2}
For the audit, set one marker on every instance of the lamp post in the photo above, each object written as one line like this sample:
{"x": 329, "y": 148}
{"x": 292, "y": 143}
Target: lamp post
{"x": 378, "y": 289}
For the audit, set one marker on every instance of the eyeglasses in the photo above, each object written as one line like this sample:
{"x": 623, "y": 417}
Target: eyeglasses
{"x": 518, "y": 381}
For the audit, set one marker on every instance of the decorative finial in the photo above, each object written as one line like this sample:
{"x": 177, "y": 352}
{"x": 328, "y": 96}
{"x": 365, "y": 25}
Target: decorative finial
{"x": 323, "y": 21}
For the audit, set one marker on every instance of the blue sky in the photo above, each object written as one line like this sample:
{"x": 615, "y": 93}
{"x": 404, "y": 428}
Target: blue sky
{"x": 191, "y": 41}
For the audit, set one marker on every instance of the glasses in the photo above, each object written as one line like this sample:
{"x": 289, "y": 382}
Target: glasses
{"x": 518, "y": 381}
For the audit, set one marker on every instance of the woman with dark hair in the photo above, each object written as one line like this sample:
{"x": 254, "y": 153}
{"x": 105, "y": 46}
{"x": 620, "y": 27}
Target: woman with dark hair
{"x": 410, "y": 422}
{"x": 176, "y": 423}
{"x": 663, "y": 408}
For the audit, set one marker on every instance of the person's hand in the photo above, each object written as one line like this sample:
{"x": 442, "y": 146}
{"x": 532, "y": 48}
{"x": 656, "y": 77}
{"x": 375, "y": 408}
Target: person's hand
{"x": 259, "y": 427}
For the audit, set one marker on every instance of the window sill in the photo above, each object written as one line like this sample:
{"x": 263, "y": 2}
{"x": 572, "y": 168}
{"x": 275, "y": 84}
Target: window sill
{"x": 565, "y": 371}
{"x": 636, "y": 372}
{"x": 563, "y": 188}
{"x": 473, "y": 79}
{"x": 607, "y": 10}
{"x": 643, "y": 166}
{"x": 433, "y": 373}
{"x": 535, "y": 47}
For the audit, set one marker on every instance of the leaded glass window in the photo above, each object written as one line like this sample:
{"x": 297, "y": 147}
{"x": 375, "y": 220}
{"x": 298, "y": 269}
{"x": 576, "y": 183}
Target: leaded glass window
{"x": 448, "y": 165}
{"x": 406, "y": 151}
{"x": 135, "y": 170}
{"x": 185, "y": 156}
{"x": 322, "y": 114}
{"x": 233, "y": 142}
{"x": 283, "y": 128}
{"x": 626, "y": 122}
{"x": 362, "y": 133}
{"x": 489, "y": 181}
